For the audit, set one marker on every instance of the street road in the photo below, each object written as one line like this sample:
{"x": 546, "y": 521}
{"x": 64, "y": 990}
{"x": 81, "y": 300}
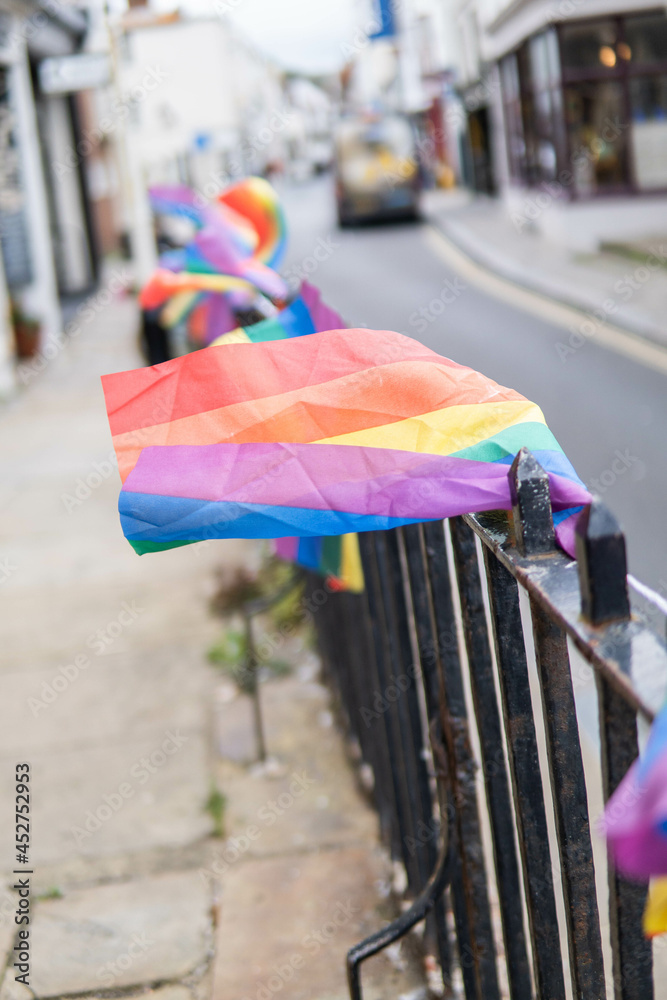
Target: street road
{"x": 608, "y": 410}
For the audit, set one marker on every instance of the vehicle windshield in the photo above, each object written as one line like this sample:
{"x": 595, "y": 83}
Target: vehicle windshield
{"x": 390, "y": 135}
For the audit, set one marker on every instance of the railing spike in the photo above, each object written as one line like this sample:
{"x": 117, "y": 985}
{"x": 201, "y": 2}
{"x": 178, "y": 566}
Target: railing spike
{"x": 602, "y": 564}
{"x": 531, "y": 505}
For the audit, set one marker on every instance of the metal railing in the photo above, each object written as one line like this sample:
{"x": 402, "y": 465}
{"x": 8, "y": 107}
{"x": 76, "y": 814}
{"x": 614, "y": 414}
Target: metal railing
{"x": 432, "y": 670}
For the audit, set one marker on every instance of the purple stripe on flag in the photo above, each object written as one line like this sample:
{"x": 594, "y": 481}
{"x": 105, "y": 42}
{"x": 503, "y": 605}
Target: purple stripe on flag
{"x": 349, "y": 478}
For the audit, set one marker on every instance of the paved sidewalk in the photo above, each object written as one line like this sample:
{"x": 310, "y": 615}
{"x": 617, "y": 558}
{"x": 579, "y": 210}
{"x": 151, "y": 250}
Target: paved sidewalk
{"x": 614, "y": 285}
{"x": 106, "y": 691}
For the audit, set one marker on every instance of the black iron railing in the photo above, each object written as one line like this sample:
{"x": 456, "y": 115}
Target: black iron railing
{"x": 432, "y": 667}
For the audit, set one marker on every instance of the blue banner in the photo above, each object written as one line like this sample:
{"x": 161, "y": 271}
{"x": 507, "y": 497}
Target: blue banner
{"x": 384, "y": 15}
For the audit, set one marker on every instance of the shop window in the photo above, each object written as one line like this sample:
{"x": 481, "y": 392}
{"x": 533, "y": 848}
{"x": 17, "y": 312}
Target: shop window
{"x": 645, "y": 40}
{"x": 516, "y": 146}
{"x": 543, "y": 85}
{"x": 597, "y": 137}
{"x": 591, "y": 45}
{"x": 648, "y": 102}
{"x": 592, "y": 100}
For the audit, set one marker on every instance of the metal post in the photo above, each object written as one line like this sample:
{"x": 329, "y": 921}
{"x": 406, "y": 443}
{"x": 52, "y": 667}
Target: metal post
{"x": 530, "y": 494}
{"x": 604, "y": 598}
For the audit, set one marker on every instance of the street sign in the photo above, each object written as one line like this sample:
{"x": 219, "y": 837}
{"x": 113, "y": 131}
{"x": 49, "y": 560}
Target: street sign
{"x": 66, "y": 74}
{"x": 384, "y": 12}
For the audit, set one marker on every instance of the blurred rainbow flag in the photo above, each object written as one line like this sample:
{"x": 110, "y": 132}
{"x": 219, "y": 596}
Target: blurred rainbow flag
{"x": 305, "y": 315}
{"x": 635, "y": 825}
{"x": 228, "y": 263}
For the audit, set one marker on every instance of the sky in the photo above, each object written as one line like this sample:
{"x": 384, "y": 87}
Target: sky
{"x": 305, "y": 35}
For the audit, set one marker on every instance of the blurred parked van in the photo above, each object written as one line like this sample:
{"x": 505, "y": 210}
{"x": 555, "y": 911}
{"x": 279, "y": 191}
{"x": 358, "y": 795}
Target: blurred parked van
{"x": 377, "y": 170}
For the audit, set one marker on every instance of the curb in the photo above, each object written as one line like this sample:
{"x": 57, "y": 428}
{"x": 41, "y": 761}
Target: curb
{"x": 487, "y": 257}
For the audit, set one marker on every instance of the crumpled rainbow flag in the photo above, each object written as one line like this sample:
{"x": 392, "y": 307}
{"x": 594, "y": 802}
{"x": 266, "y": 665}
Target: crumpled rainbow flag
{"x": 328, "y": 434}
{"x": 335, "y": 557}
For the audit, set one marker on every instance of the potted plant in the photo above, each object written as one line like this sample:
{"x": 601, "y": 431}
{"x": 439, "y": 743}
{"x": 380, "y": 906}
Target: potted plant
{"x": 26, "y": 332}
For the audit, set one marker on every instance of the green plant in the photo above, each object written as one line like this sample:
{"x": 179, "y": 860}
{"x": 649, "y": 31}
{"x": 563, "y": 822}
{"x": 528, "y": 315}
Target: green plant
{"x": 215, "y": 806}
{"x": 230, "y": 654}
{"x": 230, "y": 650}
{"x": 53, "y": 893}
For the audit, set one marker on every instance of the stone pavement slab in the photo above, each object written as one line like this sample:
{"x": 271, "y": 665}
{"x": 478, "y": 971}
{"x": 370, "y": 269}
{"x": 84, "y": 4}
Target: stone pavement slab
{"x": 149, "y": 931}
{"x": 300, "y": 876}
{"x": 305, "y": 911}
{"x": 313, "y": 799}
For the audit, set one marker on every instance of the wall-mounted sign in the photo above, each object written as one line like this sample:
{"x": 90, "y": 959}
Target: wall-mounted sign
{"x": 68, "y": 74}
{"x": 383, "y": 12}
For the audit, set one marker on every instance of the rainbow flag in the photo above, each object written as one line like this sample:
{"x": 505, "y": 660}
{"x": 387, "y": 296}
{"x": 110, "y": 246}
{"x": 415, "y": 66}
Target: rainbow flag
{"x": 336, "y": 432}
{"x": 255, "y": 200}
{"x": 635, "y": 818}
{"x": 293, "y": 321}
{"x": 305, "y": 315}
{"x": 335, "y": 557}
{"x": 237, "y": 242}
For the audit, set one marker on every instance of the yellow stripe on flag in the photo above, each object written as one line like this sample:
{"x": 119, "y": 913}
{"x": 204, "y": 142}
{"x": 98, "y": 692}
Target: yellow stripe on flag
{"x": 237, "y": 336}
{"x": 443, "y": 432}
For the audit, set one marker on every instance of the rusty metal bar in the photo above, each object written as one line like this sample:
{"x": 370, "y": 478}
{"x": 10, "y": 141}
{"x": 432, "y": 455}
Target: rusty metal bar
{"x": 412, "y": 539}
{"x": 526, "y": 779}
{"x": 385, "y": 713}
{"x": 534, "y": 531}
{"x": 570, "y": 807}
{"x": 632, "y": 954}
{"x": 470, "y": 901}
{"x": 402, "y": 694}
{"x": 602, "y": 565}
{"x": 496, "y": 784}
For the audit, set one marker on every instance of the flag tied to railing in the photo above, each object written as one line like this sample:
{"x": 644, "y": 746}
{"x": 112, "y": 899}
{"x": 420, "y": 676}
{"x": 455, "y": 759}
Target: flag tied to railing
{"x": 336, "y": 432}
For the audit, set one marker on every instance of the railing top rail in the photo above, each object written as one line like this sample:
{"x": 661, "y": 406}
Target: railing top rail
{"x": 626, "y": 653}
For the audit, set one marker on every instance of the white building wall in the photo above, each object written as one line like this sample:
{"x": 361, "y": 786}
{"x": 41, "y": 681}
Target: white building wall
{"x": 40, "y": 298}
{"x": 178, "y": 79}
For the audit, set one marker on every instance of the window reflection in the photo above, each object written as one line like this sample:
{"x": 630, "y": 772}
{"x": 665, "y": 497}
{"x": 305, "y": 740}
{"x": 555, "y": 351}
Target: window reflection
{"x": 597, "y": 136}
{"x": 589, "y": 46}
{"x": 646, "y": 38}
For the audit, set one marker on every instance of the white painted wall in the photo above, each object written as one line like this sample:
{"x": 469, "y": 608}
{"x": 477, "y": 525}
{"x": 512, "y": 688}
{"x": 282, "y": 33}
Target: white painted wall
{"x": 179, "y": 80}
{"x": 71, "y": 236}
{"x": 40, "y": 299}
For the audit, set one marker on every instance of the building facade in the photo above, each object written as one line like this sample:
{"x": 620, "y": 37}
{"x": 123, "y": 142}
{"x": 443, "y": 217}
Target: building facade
{"x": 573, "y": 121}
